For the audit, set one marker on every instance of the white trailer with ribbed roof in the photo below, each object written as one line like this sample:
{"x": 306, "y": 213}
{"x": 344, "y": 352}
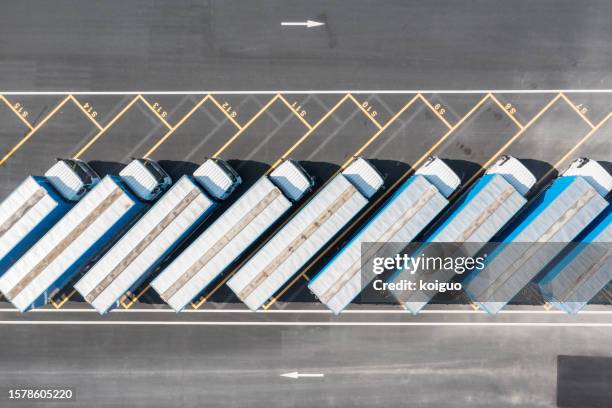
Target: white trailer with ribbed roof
{"x": 155, "y": 236}
{"x": 473, "y": 221}
{"x": 341, "y": 199}
{"x": 231, "y": 234}
{"x": 540, "y": 232}
{"x": 82, "y": 234}
{"x": 38, "y": 203}
{"x": 583, "y": 270}
{"x": 413, "y": 206}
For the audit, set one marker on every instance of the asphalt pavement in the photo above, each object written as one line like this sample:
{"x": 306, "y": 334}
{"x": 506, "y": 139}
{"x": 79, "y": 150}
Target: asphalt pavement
{"x": 70, "y": 45}
{"x": 240, "y": 366}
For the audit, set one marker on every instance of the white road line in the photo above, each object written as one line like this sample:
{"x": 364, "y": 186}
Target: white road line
{"x": 297, "y": 311}
{"x": 314, "y": 91}
{"x": 333, "y": 324}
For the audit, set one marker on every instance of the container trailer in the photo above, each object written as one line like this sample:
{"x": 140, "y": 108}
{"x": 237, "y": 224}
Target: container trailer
{"x": 301, "y": 238}
{"x": 157, "y": 234}
{"x": 231, "y": 234}
{"x": 583, "y": 270}
{"x": 413, "y": 206}
{"x": 540, "y": 232}
{"x": 82, "y": 234}
{"x": 38, "y": 203}
{"x": 472, "y": 221}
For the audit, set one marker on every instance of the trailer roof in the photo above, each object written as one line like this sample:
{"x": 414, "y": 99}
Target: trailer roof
{"x": 305, "y": 234}
{"x": 66, "y": 242}
{"x": 558, "y": 215}
{"x": 221, "y": 243}
{"x": 25, "y": 208}
{"x": 182, "y": 207}
{"x": 584, "y": 270}
{"x": 416, "y": 203}
{"x": 480, "y": 214}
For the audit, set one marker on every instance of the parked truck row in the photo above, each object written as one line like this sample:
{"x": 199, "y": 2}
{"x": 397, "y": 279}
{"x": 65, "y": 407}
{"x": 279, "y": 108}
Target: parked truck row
{"x": 106, "y": 236}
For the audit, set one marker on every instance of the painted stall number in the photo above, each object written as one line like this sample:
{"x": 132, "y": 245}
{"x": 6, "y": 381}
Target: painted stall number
{"x": 582, "y": 109}
{"x": 228, "y": 108}
{"x": 298, "y": 108}
{"x": 510, "y": 109}
{"x": 368, "y": 108}
{"x": 159, "y": 109}
{"x": 438, "y": 108}
{"x": 90, "y": 110}
{"x": 20, "y": 110}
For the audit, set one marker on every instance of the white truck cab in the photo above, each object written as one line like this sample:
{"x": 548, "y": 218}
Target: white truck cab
{"x": 146, "y": 178}
{"x": 593, "y": 173}
{"x": 438, "y": 173}
{"x": 72, "y": 178}
{"x": 292, "y": 179}
{"x": 515, "y": 173}
{"x": 217, "y": 177}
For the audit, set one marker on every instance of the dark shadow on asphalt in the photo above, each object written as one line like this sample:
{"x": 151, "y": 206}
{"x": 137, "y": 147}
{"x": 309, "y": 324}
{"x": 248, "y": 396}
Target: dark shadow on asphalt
{"x": 320, "y": 171}
{"x": 176, "y": 169}
{"x": 104, "y": 168}
{"x": 465, "y": 169}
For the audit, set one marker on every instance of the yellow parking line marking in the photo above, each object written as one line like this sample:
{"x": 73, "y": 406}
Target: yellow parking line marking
{"x": 515, "y": 120}
{"x": 380, "y": 131}
{"x": 561, "y": 161}
{"x": 449, "y": 132}
{"x": 144, "y": 100}
{"x": 246, "y": 125}
{"x": 365, "y": 111}
{"x": 495, "y": 156}
{"x": 430, "y": 106}
{"x": 101, "y": 132}
{"x": 134, "y": 298}
{"x": 300, "y": 117}
{"x": 573, "y": 106}
{"x": 91, "y": 118}
{"x": 310, "y": 131}
{"x": 226, "y": 113}
{"x": 33, "y": 131}
{"x": 65, "y": 298}
{"x": 383, "y": 196}
{"x": 170, "y": 132}
{"x": 584, "y": 139}
{"x": 520, "y": 132}
{"x": 20, "y": 116}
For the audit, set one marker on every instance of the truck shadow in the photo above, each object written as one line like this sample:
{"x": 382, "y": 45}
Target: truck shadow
{"x": 105, "y": 168}
{"x": 177, "y": 169}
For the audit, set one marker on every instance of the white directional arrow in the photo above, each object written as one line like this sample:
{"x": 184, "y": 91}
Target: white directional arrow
{"x": 308, "y": 23}
{"x": 295, "y": 375}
